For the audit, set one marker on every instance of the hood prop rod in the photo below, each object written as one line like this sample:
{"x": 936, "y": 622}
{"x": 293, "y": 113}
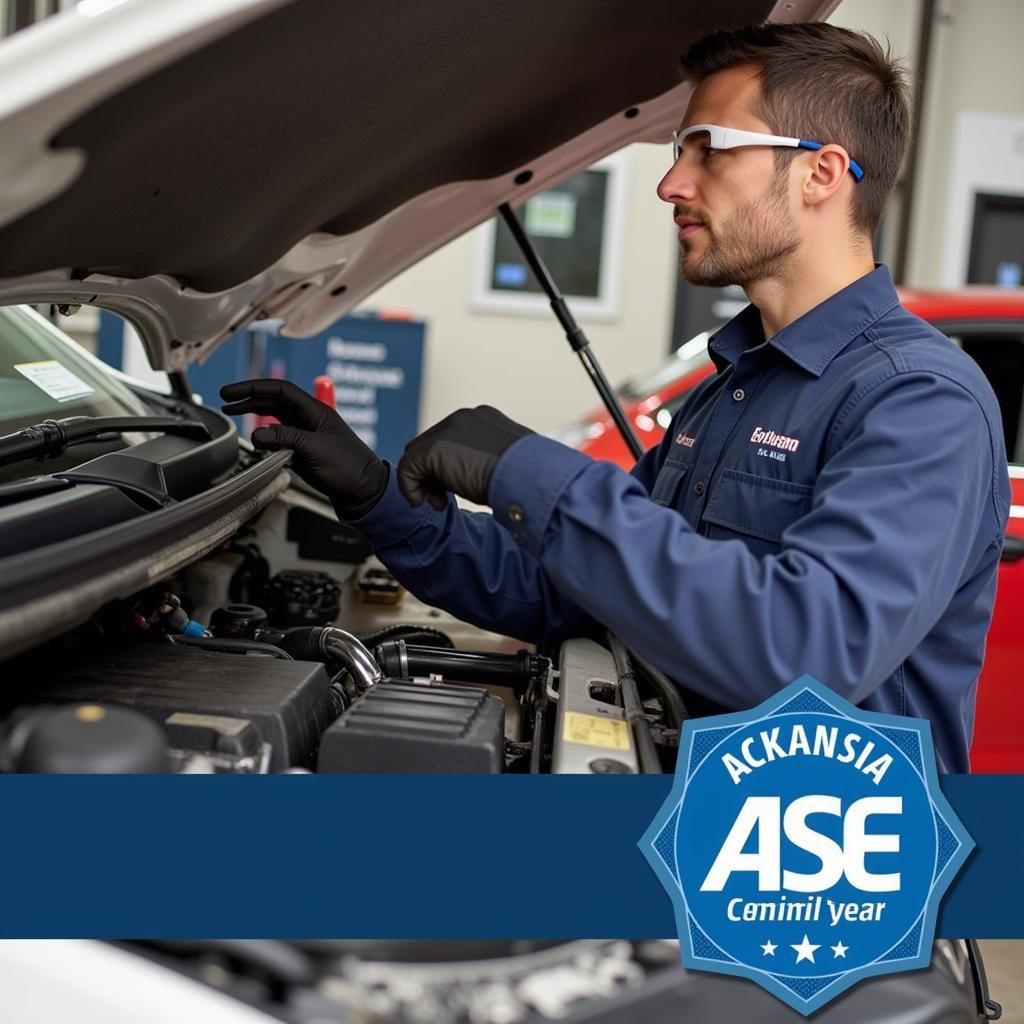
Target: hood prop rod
{"x": 577, "y": 339}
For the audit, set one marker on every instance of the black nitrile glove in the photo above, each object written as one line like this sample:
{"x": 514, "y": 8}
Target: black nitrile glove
{"x": 328, "y": 455}
{"x": 458, "y": 454}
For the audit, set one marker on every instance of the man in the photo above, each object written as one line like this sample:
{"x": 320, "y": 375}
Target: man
{"x": 832, "y": 501}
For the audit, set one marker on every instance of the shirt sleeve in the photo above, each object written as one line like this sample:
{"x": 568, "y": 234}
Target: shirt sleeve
{"x": 901, "y": 509}
{"x": 467, "y": 564}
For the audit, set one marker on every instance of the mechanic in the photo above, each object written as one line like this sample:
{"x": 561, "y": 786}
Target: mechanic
{"x": 832, "y": 501}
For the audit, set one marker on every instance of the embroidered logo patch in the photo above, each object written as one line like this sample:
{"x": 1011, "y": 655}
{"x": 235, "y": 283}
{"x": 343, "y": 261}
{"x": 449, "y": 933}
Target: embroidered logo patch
{"x": 773, "y": 440}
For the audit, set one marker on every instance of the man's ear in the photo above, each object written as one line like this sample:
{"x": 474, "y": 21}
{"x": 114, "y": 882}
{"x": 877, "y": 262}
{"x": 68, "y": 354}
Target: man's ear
{"x": 829, "y": 168}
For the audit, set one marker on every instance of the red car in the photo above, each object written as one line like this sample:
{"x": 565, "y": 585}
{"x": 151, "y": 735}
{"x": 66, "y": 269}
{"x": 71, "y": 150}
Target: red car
{"x": 988, "y": 323}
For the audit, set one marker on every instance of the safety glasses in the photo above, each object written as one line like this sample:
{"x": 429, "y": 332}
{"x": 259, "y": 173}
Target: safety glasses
{"x": 730, "y": 138}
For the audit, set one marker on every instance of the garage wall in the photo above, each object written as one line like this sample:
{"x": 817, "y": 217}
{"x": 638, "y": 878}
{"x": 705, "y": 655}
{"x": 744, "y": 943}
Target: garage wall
{"x": 975, "y": 92}
{"x": 883, "y": 19}
{"x": 971, "y": 134}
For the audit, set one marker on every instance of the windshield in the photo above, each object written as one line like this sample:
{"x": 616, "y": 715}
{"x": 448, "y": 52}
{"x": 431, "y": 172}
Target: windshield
{"x": 45, "y": 375}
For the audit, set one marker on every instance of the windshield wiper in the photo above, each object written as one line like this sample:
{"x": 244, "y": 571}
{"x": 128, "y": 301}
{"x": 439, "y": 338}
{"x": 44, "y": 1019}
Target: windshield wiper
{"x": 51, "y": 438}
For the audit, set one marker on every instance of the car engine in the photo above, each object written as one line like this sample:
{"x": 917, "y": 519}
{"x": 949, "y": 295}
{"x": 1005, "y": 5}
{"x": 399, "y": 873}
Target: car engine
{"x": 290, "y": 649}
{"x": 586, "y": 981}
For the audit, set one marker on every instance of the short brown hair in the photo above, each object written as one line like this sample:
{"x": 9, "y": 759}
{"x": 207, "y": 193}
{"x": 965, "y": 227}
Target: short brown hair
{"x": 828, "y": 84}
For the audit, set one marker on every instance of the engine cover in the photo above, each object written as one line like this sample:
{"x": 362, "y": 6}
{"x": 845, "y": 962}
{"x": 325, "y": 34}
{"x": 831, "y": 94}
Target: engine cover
{"x": 400, "y": 726}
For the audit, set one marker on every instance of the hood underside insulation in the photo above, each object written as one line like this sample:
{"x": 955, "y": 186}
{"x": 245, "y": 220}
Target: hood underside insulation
{"x": 325, "y": 116}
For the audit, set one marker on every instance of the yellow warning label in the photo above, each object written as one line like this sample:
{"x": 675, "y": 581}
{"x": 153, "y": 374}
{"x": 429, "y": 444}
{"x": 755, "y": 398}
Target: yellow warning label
{"x": 596, "y": 731}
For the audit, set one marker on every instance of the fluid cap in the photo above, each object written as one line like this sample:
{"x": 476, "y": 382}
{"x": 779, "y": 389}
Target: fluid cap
{"x": 94, "y": 739}
{"x": 323, "y": 391}
{"x": 238, "y": 620}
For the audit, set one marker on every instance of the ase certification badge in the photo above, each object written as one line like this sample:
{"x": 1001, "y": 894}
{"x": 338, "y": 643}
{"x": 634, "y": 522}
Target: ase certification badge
{"x": 806, "y": 844}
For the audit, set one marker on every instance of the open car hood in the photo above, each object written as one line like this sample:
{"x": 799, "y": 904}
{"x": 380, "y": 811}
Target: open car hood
{"x": 196, "y": 167}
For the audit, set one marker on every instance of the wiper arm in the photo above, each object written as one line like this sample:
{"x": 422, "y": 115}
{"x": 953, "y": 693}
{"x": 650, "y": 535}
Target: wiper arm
{"x": 51, "y": 438}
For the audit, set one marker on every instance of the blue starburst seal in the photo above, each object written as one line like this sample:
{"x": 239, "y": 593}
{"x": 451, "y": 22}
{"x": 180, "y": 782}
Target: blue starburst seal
{"x": 806, "y": 844}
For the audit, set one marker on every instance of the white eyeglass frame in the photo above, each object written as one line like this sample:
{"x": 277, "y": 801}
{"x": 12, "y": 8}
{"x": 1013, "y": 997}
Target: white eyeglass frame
{"x": 731, "y": 138}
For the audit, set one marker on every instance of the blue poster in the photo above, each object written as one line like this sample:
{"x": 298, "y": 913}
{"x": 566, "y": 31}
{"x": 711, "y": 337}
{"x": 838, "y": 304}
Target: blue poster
{"x": 376, "y": 367}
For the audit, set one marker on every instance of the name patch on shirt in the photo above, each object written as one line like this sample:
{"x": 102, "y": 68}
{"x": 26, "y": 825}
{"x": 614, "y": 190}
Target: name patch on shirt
{"x": 685, "y": 441}
{"x": 773, "y": 440}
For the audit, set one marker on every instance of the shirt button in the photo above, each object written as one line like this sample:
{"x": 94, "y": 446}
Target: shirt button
{"x": 515, "y": 513}
{"x": 698, "y": 488}
{"x": 738, "y": 395}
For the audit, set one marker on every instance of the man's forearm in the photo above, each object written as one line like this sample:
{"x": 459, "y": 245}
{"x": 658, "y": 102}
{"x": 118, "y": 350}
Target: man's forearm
{"x": 465, "y": 563}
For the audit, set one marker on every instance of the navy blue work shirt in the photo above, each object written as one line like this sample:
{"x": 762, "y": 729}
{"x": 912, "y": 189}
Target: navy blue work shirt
{"x": 831, "y": 501}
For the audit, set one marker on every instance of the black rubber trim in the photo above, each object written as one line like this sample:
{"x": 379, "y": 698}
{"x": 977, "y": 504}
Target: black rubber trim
{"x": 986, "y": 327}
{"x": 61, "y": 566}
{"x": 34, "y": 487}
{"x": 39, "y": 521}
{"x": 1013, "y": 548}
{"x": 165, "y": 468}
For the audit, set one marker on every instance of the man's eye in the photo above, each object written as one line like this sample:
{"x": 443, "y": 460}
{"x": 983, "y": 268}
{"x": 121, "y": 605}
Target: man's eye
{"x": 709, "y": 151}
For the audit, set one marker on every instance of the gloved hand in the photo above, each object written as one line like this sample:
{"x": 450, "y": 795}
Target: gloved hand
{"x": 328, "y": 454}
{"x": 458, "y": 454}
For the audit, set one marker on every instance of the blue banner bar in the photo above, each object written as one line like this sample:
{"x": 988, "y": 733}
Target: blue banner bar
{"x": 384, "y": 856}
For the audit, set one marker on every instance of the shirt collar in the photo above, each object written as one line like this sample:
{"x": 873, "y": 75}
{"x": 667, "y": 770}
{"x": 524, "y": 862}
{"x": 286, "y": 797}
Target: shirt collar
{"x": 813, "y": 340}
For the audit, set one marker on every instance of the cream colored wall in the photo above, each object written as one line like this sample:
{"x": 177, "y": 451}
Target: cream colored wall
{"x": 522, "y": 363}
{"x": 977, "y": 68}
{"x": 895, "y": 25}
{"x": 895, "y": 20}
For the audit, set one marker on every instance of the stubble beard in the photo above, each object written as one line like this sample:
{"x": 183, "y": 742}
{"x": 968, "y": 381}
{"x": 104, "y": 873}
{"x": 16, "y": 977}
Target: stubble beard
{"x": 751, "y": 246}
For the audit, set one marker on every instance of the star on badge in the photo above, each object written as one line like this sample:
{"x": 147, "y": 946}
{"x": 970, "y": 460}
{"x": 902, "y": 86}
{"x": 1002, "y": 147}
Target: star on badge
{"x": 804, "y": 950}
{"x": 769, "y": 948}
{"x": 839, "y": 950}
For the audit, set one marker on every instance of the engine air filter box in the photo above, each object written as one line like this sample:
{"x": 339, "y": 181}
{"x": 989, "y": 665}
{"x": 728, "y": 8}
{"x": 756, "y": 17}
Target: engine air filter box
{"x": 399, "y": 726}
{"x": 287, "y": 703}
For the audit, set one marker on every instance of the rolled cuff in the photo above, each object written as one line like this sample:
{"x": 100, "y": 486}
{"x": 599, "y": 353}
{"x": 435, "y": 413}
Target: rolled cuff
{"x": 527, "y": 484}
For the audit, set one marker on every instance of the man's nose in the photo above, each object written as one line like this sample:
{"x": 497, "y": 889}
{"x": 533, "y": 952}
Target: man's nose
{"x": 678, "y": 185}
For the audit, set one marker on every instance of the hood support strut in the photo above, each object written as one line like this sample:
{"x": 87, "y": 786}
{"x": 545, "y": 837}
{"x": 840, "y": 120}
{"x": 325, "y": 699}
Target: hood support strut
{"x": 577, "y": 339}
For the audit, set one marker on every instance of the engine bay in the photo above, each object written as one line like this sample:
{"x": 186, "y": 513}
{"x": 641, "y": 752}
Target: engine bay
{"x": 587, "y": 981}
{"x": 289, "y": 648}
